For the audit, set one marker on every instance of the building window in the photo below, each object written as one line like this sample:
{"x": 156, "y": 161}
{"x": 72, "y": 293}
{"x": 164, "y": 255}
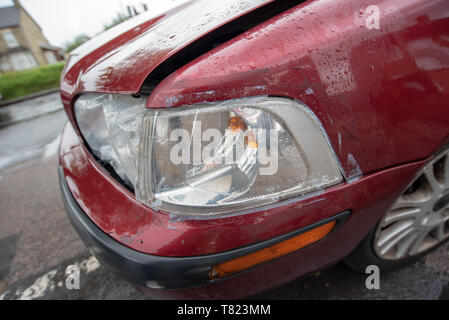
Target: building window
{"x": 10, "y": 39}
{"x": 23, "y": 61}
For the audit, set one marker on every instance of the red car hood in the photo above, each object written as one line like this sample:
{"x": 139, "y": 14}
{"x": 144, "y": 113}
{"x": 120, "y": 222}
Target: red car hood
{"x": 119, "y": 60}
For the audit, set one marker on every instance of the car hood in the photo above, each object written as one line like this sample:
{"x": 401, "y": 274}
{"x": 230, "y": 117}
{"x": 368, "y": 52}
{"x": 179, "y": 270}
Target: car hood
{"x": 119, "y": 60}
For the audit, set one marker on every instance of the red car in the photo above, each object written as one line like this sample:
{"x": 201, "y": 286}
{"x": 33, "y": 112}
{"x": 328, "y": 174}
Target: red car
{"x": 225, "y": 147}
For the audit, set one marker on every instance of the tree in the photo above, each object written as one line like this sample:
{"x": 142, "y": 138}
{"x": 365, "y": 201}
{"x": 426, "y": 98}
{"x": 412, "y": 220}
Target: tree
{"x": 76, "y": 42}
{"x": 117, "y": 20}
{"x": 81, "y": 38}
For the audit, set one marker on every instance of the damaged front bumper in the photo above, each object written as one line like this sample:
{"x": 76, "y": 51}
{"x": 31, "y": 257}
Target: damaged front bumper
{"x": 158, "y": 272}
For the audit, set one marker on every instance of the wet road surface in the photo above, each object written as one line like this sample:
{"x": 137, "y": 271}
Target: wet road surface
{"x": 37, "y": 242}
{"x": 30, "y": 129}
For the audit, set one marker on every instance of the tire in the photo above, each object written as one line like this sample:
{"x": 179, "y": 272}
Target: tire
{"x": 422, "y": 215}
{"x": 364, "y": 255}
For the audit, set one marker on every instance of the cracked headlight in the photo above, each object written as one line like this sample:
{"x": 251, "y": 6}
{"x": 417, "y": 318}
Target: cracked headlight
{"x": 210, "y": 159}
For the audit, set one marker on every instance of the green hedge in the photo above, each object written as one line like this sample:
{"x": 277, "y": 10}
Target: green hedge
{"x": 22, "y": 83}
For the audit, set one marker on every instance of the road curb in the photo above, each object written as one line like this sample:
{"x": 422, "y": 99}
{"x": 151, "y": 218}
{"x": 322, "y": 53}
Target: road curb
{"x": 28, "y": 97}
{"x": 9, "y": 123}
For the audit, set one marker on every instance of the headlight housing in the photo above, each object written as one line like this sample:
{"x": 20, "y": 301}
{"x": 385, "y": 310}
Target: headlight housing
{"x": 210, "y": 159}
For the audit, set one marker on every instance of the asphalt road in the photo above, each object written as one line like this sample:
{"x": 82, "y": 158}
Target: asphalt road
{"x": 37, "y": 242}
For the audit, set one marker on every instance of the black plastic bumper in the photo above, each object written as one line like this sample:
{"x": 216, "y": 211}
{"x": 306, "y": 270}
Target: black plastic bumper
{"x": 154, "y": 271}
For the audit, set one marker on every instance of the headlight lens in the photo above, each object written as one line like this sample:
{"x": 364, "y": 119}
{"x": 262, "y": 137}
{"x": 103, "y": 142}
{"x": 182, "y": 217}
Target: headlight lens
{"x": 210, "y": 159}
{"x": 110, "y": 126}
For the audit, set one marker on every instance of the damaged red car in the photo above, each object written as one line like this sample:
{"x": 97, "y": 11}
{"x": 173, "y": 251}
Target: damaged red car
{"x": 222, "y": 148}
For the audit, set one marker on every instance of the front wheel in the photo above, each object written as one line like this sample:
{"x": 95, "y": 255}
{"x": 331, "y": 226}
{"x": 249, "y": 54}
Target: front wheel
{"x": 416, "y": 223}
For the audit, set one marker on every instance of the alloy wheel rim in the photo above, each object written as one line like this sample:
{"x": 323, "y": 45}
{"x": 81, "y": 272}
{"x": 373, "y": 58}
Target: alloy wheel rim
{"x": 419, "y": 219}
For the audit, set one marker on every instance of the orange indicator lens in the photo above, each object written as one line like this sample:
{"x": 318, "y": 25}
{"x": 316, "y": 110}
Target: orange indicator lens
{"x": 285, "y": 247}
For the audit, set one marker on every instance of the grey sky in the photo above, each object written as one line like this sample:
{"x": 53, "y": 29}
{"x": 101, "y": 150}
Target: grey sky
{"x": 61, "y": 20}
